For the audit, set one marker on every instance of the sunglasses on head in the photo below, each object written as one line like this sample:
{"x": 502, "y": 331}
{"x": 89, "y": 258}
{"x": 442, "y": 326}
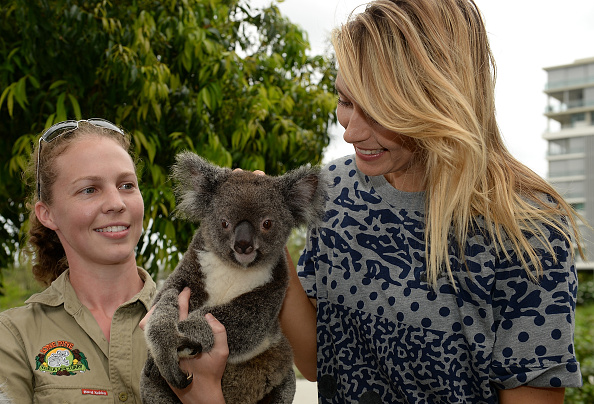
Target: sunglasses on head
{"x": 62, "y": 128}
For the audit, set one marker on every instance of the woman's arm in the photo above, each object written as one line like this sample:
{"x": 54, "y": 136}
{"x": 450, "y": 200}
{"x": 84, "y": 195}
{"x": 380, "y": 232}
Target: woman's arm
{"x": 298, "y": 321}
{"x": 532, "y": 395}
{"x": 16, "y": 374}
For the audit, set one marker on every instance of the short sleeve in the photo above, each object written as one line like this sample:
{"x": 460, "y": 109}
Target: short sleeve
{"x": 534, "y": 324}
{"x": 306, "y": 267}
{"x": 15, "y": 372}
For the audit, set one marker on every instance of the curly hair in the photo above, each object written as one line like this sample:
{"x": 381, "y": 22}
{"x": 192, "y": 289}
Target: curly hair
{"x": 49, "y": 258}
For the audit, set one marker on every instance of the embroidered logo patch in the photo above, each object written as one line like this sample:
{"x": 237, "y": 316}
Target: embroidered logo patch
{"x": 60, "y": 359}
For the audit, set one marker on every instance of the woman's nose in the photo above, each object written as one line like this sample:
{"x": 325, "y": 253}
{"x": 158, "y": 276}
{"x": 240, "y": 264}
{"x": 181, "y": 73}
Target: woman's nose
{"x": 357, "y": 128}
{"x": 114, "y": 201}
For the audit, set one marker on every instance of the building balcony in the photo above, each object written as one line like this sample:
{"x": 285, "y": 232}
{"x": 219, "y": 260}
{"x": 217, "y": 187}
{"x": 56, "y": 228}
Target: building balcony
{"x": 555, "y": 154}
{"x": 574, "y": 174}
{"x": 569, "y": 130}
{"x": 566, "y": 84}
{"x": 578, "y": 106}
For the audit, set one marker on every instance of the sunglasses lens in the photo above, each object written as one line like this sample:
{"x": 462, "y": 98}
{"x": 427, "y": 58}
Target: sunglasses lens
{"x": 58, "y": 129}
{"x": 104, "y": 124}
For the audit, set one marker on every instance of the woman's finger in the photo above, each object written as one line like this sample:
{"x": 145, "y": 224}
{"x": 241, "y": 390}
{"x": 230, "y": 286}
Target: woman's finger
{"x": 183, "y": 301}
{"x": 220, "y": 336}
{"x": 144, "y": 320}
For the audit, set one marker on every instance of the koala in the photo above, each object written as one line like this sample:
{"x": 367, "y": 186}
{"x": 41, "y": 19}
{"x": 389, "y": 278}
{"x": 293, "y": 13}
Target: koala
{"x": 58, "y": 359}
{"x": 236, "y": 269}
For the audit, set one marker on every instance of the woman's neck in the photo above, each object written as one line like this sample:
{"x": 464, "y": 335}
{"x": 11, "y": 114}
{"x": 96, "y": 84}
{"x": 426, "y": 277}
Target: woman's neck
{"x": 104, "y": 288}
{"x": 410, "y": 181}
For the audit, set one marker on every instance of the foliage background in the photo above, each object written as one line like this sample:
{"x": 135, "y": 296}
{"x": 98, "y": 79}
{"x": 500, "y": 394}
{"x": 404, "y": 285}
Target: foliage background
{"x": 232, "y": 83}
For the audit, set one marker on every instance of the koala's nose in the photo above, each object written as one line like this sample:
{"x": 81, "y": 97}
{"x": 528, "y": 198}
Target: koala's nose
{"x": 244, "y": 238}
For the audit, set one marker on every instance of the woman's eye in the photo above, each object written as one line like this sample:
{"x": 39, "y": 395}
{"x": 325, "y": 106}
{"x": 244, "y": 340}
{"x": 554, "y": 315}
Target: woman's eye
{"x": 88, "y": 190}
{"x": 344, "y": 103}
{"x": 127, "y": 186}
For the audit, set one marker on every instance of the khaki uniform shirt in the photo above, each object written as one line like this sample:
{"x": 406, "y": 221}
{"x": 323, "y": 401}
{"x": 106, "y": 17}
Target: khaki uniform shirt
{"x": 53, "y": 351}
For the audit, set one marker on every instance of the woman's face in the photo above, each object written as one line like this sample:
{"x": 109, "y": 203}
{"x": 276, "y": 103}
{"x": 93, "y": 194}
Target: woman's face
{"x": 378, "y": 151}
{"x": 97, "y": 208}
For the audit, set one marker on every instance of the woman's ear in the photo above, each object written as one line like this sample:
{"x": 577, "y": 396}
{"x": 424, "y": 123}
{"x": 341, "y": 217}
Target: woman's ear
{"x": 43, "y": 214}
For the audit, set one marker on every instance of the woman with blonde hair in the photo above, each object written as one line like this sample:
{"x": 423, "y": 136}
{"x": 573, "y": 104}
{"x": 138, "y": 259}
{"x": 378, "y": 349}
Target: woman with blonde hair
{"x": 444, "y": 268}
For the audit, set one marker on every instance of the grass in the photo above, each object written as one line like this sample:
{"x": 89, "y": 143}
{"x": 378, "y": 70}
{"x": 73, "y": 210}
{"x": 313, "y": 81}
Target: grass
{"x": 17, "y": 285}
{"x": 584, "y": 348}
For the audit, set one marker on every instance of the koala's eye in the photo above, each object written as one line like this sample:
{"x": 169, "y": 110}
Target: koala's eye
{"x": 267, "y": 224}
{"x": 224, "y": 224}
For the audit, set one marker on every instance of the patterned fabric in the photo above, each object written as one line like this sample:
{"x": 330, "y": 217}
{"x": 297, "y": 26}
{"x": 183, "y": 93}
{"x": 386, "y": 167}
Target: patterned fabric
{"x": 384, "y": 336}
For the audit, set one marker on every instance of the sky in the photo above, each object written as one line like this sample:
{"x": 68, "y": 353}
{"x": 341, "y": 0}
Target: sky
{"x": 526, "y": 36}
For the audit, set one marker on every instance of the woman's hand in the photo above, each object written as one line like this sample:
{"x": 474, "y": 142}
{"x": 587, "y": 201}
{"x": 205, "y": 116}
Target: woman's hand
{"x": 205, "y": 369}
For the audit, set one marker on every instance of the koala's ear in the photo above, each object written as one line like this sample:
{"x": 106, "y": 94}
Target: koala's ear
{"x": 304, "y": 191}
{"x": 196, "y": 182}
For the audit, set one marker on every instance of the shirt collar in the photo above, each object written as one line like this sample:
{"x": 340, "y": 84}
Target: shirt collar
{"x": 62, "y": 292}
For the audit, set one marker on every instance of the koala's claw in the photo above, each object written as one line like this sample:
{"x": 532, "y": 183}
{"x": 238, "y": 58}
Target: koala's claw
{"x": 189, "y": 349}
{"x": 180, "y": 380}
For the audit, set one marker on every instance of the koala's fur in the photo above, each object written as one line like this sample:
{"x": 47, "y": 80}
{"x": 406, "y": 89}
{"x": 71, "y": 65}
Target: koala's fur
{"x": 237, "y": 270}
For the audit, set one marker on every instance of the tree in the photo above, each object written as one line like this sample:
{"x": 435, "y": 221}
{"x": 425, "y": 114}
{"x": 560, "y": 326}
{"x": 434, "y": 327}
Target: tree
{"x": 217, "y": 77}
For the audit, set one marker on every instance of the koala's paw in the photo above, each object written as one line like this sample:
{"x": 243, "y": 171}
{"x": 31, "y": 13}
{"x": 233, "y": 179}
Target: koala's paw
{"x": 169, "y": 298}
{"x": 188, "y": 348}
{"x": 177, "y": 378}
{"x": 197, "y": 336}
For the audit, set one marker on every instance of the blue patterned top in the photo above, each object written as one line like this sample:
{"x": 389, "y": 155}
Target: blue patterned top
{"x": 385, "y": 336}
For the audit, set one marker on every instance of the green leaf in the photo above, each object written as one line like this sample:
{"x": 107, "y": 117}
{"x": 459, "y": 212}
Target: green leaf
{"x": 20, "y": 92}
{"x": 57, "y": 83}
{"x": 61, "y": 108}
{"x": 4, "y": 94}
{"x": 51, "y": 119}
{"x": 10, "y": 101}
{"x": 75, "y": 107}
{"x": 34, "y": 81}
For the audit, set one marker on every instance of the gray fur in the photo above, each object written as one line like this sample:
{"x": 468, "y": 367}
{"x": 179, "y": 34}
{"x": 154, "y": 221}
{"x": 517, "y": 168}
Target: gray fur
{"x": 236, "y": 269}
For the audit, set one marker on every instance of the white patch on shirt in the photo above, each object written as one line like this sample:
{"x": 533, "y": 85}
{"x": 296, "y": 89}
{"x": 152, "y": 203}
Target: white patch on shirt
{"x": 225, "y": 282}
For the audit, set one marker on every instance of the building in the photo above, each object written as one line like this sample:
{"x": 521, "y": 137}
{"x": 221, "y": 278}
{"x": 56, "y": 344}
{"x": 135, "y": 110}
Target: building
{"x": 570, "y": 137}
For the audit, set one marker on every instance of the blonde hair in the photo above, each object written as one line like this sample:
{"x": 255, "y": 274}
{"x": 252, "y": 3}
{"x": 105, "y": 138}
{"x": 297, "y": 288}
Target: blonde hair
{"x": 424, "y": 69}
{"x": 49, "y": 257}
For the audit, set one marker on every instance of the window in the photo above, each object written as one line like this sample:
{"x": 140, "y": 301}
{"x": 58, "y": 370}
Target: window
{"x": 578, "y": 119}
{"x": 580, "y": 208}
{"x": 562, "y": 168}
{"x": 567, "y": 146}
{"x": 558, "y": 146}
{"x": 570, "y": 189}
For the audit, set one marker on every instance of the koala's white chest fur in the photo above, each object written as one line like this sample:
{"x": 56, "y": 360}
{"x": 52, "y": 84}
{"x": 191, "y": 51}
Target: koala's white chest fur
{"x": 225, "y": 282}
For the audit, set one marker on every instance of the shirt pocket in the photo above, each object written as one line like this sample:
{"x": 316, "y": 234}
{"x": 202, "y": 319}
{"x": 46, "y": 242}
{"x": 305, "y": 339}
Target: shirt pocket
{"x": 64, "y": 394}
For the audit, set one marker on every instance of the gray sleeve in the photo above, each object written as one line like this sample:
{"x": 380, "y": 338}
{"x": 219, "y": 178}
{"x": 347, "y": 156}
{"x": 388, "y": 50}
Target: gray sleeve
{"x": 534, "y": 324}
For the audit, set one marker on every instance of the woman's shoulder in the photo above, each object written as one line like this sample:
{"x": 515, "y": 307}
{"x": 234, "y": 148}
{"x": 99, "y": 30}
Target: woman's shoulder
{"x": 51, "y": 296}
{"x": 17, "y": 317}
{"x": 343, "y": 171}
{"x": 341, "y": 165}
